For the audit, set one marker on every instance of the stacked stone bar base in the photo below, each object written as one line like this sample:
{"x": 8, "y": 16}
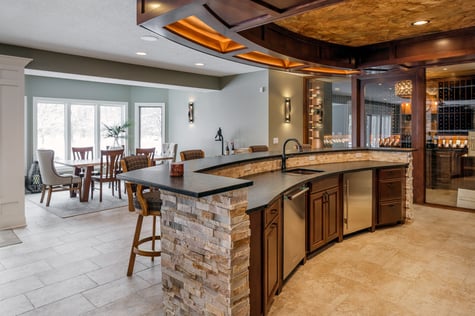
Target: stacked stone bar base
{"x": 205, "y": 254}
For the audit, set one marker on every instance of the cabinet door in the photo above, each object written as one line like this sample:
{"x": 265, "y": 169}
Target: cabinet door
{"x": 390, "y": 212}
{"x": 271, "y": 261}
{"x": 316, "y": 220}
{"x": 390, "y": 189}
{"x": 256, "y": 268}
{"x": 443, "y": 166}
{"x": 332, "y": 219}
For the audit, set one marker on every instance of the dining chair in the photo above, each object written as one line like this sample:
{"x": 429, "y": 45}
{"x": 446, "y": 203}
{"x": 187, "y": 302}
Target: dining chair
{"x": 170, "y": 150}
{"x": 109, "y": 168}
{"x": 82, "y": 153}
{"x": 191, "y": 154}
{"x": 145, "y": 202}
{"x": 149, "y": 152}
{"x": 52, "y": 180}
{"x": 258, "y": 148}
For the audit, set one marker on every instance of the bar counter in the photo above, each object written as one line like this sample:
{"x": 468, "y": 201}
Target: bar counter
{"x": 205, "y": 224}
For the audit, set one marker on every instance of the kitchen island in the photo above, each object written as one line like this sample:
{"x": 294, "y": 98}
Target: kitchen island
{"x": 208, "y": 257}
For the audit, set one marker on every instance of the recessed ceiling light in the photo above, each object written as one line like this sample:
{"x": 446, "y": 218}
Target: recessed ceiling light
{"x": 148, "y": 38}
{"x": 141, "y": 53}
{"x": 445, "y": 69}
{"x": 199, "y": 64}
{"x": 421, "y": 22}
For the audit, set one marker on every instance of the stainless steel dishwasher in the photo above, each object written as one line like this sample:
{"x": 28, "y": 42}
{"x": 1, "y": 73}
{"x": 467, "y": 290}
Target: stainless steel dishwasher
{"x": 295, "y": 203}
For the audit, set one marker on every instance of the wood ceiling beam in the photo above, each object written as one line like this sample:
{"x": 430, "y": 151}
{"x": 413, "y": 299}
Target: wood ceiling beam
{"x": 252, "y": 18}
{"x": 422, "y": 50}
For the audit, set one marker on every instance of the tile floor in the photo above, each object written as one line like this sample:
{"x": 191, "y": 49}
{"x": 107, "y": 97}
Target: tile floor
{"x": 77, "y": 266}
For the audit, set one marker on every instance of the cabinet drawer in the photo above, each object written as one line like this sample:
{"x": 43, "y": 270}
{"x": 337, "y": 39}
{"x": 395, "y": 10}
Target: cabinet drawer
{"x": 271, "y": 212}
{"x": 391, "y": 173}
{"x": 390, "y": 189}
{"x": 324, "y": 184}
{"x": 390, "y": 212}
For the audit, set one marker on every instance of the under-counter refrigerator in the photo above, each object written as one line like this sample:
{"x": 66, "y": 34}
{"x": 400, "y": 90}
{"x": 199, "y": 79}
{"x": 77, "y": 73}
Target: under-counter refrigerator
{"x": 357, "y": 201}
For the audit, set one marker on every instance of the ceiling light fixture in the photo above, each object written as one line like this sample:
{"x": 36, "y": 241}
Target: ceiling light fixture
{"x": 421, "y": 22}
{"x": 141, "y": 53}
{"x": 199, "y": 64}
{"x": 148, "y": 38}
{"x": 403, "y": 89}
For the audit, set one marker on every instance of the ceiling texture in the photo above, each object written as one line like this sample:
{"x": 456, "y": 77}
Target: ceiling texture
{"x": 338, "y": 37}
{"x": 365, "y": 22}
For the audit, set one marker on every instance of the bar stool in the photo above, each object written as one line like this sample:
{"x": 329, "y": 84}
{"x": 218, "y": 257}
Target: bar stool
{"x": 145, "y": 202}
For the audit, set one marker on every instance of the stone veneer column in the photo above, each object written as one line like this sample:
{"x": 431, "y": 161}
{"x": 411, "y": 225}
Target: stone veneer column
{"x": 205, "y": 254}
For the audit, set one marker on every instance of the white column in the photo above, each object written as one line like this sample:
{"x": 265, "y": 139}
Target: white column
{"x": 12, "y": 138}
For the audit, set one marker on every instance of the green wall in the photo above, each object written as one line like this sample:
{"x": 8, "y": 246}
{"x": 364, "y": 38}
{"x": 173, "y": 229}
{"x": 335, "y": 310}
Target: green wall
{"x": 37, "y": 86}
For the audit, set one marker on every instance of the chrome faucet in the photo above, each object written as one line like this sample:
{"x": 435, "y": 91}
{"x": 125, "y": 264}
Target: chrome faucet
{"x": 284, "y": 156}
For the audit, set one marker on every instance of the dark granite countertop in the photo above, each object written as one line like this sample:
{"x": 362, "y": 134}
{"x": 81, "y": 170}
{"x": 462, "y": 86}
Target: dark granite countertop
{"x": 269, "y": 185}
{"x": 263, "y": 188}
{"x": 192, "y": 183}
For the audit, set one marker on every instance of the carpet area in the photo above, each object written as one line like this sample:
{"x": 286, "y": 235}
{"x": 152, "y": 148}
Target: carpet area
{"x": 8, "y": 238}
{"x": 64, "y": 206}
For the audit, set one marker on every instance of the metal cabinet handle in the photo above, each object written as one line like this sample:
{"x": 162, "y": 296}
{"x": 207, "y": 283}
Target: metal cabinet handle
{"x": 347, "y": 196}
{"x": 297, "y": 194}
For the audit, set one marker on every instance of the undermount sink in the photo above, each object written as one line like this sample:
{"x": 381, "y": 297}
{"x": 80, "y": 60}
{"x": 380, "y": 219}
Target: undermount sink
{"x": 303, "y": 171}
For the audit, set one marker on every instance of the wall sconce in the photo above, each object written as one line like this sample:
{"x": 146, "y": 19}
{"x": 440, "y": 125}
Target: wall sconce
{"x": 287, "y": 109}
{"x": 191, "y": 114}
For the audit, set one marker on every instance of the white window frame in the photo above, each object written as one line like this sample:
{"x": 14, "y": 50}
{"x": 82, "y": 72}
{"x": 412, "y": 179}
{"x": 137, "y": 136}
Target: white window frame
{"x": 137, "y": 120}
{"x": 68, "y": 102}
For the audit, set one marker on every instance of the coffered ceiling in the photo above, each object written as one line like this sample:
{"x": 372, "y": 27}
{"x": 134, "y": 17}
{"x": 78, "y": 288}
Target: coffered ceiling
{"x": 364, "y": 22}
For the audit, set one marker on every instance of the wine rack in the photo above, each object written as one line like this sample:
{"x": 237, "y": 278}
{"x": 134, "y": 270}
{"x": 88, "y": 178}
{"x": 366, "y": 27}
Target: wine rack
{"x": 315, "y": 113}
{"x": 456, "y": 106}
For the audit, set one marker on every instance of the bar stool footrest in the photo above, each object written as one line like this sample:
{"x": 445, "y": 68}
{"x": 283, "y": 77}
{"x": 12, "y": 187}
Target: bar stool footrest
{"x": 147, "y": 253}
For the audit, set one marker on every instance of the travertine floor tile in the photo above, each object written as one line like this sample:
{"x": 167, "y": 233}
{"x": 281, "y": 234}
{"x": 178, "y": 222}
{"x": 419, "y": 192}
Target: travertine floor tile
{"x": 57, "y": 291}
{"x": 77, "y": 266}
{"x": 426, "y": 267}
{"x": 70, "y": 306}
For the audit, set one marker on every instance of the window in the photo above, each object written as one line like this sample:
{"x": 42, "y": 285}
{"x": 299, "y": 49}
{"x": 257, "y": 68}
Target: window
{"x": 150, "y": 127}
{"x": 61, "y": 124}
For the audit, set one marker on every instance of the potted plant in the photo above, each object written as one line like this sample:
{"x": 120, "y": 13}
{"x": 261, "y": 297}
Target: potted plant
{"x": 116, "y": 131}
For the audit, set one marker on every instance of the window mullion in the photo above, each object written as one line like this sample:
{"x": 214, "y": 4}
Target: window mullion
{"x": 67, "y": 128}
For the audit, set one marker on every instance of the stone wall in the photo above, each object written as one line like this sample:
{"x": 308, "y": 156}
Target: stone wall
{"x": 205, "y": 254}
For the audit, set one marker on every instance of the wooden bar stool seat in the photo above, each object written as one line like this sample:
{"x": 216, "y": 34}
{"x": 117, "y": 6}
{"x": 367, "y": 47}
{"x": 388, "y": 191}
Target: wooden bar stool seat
{"x": 145, "y": 202}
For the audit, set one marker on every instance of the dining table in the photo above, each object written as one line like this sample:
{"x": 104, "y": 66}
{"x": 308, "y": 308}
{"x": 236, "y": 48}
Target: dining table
{"x": 88, "y": 165}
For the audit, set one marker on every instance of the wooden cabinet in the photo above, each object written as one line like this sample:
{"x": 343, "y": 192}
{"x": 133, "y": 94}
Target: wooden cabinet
{"x": 324, "y": 224}
{"x": 391, "y": 184}
{"x": 443, "y": 164}
{"x": 265, "y": 271}
{"x": 272, "y": 252}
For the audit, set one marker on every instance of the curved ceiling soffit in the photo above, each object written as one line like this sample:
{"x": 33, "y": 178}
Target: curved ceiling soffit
{"x": 197, "y": 27}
